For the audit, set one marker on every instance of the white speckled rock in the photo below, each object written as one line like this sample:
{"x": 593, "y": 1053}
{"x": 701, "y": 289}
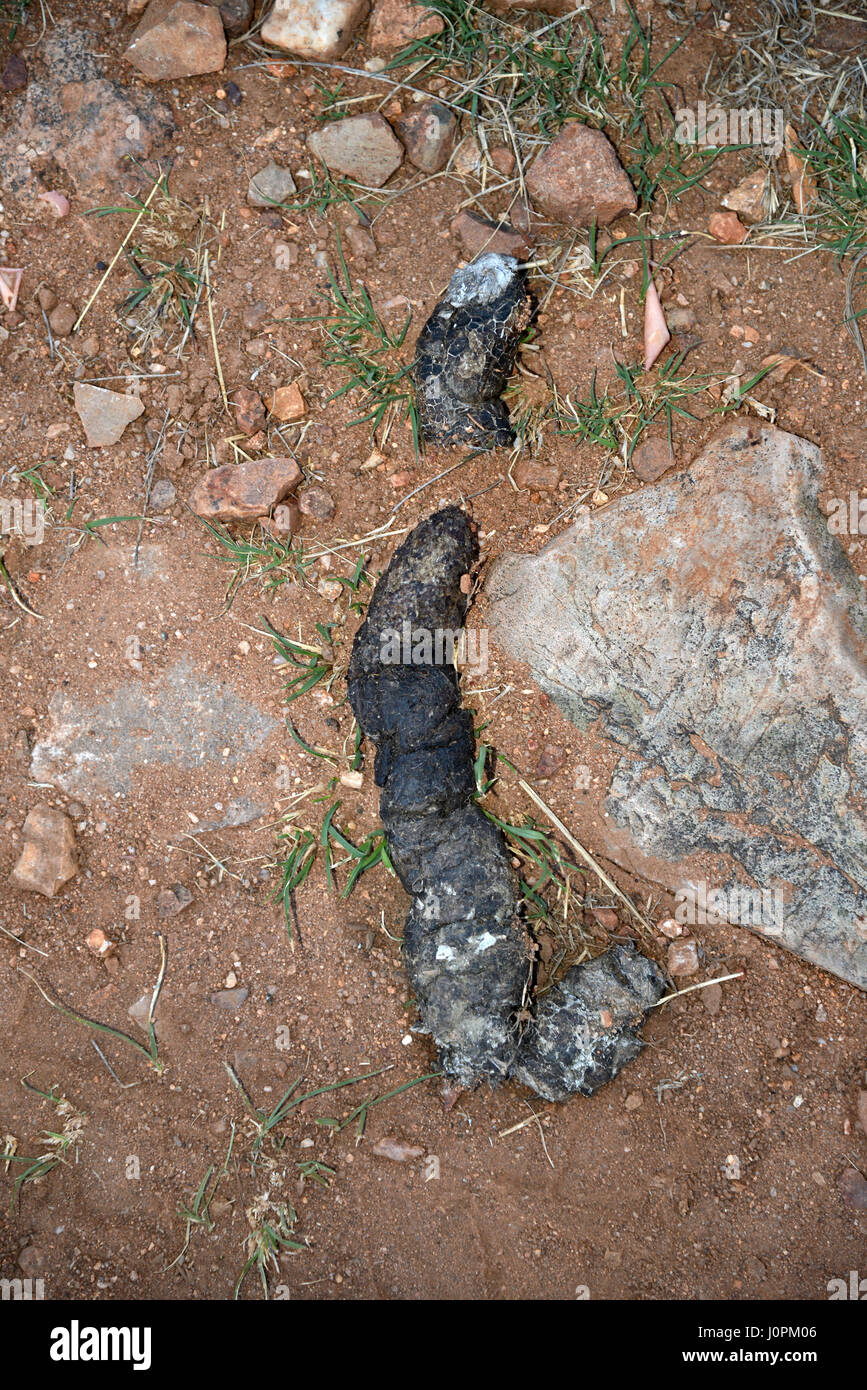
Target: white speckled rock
{"x": 712, "y": 629}
{"x": 363, "y": 147}
{"x": 314, "y": 28}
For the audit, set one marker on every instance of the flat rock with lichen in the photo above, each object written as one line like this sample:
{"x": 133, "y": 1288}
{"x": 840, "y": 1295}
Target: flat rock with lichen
{"x": 712, "y": 627}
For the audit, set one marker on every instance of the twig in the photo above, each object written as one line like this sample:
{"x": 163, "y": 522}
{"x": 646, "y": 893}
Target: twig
{"x": 115, "y": 257}
{"x": 206, "y": 271}
{"x": 585, "y": 855}
{"x": 720, "y": 980}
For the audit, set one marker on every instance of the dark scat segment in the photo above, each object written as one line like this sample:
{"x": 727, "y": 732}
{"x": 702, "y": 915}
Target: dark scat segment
{"x": 466, "y": 352}
{"x": 570, "y": 1046}
{"x": 465, "y": 952}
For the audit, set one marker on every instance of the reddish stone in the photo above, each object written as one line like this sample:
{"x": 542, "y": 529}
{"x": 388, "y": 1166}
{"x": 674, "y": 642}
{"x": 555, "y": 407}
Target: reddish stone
{"x": 249, "y": 410}
{"x": 477, "y": 234}
{"x": 238, "y": 492}
{"x": 651, "y": 459}
{"x": 177, "y": 38}
{"x": 397, "y": 23}
{"x": 578, "y": 179}
{"x": 727, "y": 228}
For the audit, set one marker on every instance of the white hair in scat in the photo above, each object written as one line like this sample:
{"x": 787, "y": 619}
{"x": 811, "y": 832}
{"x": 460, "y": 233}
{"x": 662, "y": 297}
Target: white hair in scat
{"x": 481, "y": 281}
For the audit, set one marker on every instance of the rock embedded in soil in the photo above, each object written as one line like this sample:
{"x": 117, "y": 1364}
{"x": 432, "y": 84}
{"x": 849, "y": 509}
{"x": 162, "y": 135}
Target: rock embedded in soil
{"x": 48, "y": 859}
{"x": 178, "y": 38}
{"x": 750, "y": 198}
{"x": 271, "y": 186}
{"x": 235, "y": 14}
{"x": 360, "y": 241}
{"x": 651, "y": 459}
{"x": 243, "y": 491}
{"x": 478, "y": 234}
{"x": 171, "y": 901}
{"x": 396, "y": 23}
{"x": 104, "y": 414}
{"x": 682, "y": 957}
{"x": 364, "y": 148}
{"x": 727, "y": 228}
{"x": 287, "y": 404}
{"x": 230, "y": 998}
{"x": 534, "y": 473}
{"x": 429, "y": 132}
{"x": 163, "y": 497}
{"x": 712, "y": 628}
{"x": 62, "y": 319}
{"x": 79, "y": 122}
{"x": 314, "y": 28}
{"x": 578, "y": 179}
{"x": 853, "y": 1189}
{"x": 13, "y": 78}
{"x": 316, "y": 502}
{"x": 180, "y": 721}
{"x": 249, "y": 410}
{"x": 398, "y": 1150}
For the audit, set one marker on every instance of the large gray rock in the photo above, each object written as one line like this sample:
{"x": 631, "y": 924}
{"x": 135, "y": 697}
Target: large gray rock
{"x": 713, "y": 628}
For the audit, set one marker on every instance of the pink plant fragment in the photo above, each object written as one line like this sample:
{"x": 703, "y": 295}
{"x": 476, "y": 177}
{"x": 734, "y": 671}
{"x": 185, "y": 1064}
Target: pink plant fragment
{"x": 656, "y": 333}
{"x": 10, "y": 284}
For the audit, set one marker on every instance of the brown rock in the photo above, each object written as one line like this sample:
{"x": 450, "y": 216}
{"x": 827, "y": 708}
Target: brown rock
{"x": 48, "y": 858}
{"x": 235, "y": 14}
{"x": 477, "y": 234}
{"x": 396, "y": 23}
{"x": 271, "y": 187}
{"x": 651, "y": 459}
{"x": 171, "y": 901}
{"x": 750, "y": 198}
{"x": 682, "y": 957}
{"x": 62, "y": 319}
{"x": 14, "y": 74}
{"x": 711, "y": 997}
{"x": 287, "y": 404}
{"x": 104, "y": 414}
{"x": 254, "y": 315}
{"x": 535, "y": 473}
{"x": 249, "y": 410}
{"x": 46, "y": 298}
{"x": 578, "y": 179}
{"x": 244, "y": 491}
{"x": 315, "y": 501}
{"x": 286, "y": 520}
{"x": 363, "y": 147}
{"x": 177, "y": 38}
{"x": 429, "y": 132}
{"x": 229, "y": 998}
{"x": 314, "y": 28}
{"x": 853, "y": 1189}
{"x": 550, "y": 760}
{"x": 503, "y": 161}
{"x": 727, "y": 228}
{"x": 361, "y": 242}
